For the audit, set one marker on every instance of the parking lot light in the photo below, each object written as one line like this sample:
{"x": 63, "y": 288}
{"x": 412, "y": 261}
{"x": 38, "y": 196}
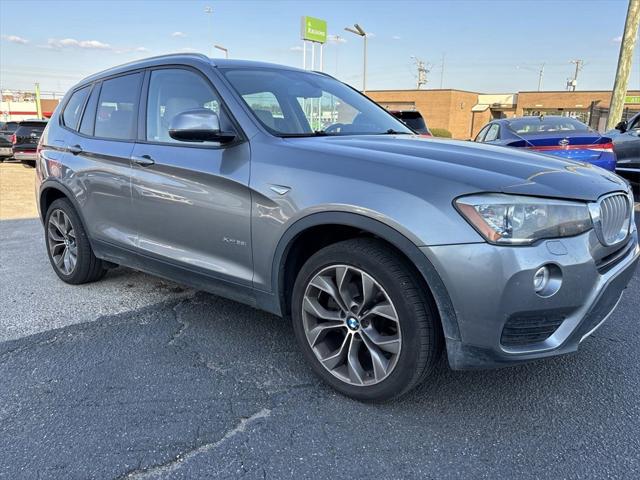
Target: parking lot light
{"x": 358, "y": 30}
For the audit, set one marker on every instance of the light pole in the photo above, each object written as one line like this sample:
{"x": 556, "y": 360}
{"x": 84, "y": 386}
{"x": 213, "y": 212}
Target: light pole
{"x": 225, "y": 50}
{"x": 358, "y": 30}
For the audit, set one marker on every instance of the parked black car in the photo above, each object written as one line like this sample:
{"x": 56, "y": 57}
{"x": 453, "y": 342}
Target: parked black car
{"x": 412, "y": 119}
{"x": 7, "y": 129}
{"x": 626, "y": 145}
{"x": 25, "y": 141}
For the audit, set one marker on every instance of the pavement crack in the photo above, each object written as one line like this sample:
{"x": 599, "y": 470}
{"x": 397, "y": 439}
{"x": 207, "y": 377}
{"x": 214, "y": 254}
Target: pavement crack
{"x": 177, "y": 462}
{"x": 183, "y": 323}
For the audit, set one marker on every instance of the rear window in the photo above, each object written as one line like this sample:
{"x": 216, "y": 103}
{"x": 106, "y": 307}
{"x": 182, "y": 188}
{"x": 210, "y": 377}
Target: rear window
{"x": 535, "y": 125}
{"x": 118, "y": 107}
{"x": 73, "y": 109}
{"x": 26, "y": 130}
{"x": 413, "y": 120}
{"x": 9, "y": 127}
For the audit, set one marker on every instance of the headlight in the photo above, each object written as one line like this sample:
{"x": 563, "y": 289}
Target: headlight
{"x": 519, "y": 220}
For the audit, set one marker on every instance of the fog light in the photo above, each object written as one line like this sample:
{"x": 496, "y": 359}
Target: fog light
{"x": 541, "y": 279}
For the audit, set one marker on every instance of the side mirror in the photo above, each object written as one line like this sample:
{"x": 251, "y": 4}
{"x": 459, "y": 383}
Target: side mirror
{"x": 622, "y": 126}
{"x": 198, "y": 125}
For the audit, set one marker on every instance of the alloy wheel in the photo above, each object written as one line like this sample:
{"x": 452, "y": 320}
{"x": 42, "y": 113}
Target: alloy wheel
{"x": 61, "y": 239}
{"x": 351, "y": 325}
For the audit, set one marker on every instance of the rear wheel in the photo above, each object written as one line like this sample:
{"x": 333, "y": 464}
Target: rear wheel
{"x": 363, "y": 321}
{"x": 68, "y": 247}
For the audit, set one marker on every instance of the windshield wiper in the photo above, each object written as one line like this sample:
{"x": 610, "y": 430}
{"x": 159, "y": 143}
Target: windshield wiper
{"x": 317, "y": 133}
{"x": 391, "y": 131}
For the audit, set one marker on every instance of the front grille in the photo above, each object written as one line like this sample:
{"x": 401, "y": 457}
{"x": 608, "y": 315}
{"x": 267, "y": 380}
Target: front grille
{"x": 615, "y": 217}
{"x": 528, "y": 329}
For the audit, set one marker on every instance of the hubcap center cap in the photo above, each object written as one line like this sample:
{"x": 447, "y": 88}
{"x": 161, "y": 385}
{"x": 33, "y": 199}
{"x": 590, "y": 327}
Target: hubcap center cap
{"x": 353, "y": 323}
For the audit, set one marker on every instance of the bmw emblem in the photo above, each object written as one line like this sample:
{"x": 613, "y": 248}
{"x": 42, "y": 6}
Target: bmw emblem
{"x": 353, "y": 323}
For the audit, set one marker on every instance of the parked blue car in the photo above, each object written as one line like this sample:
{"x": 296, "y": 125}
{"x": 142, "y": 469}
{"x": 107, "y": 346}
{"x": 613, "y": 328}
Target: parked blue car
{"x": 563, "y": 137}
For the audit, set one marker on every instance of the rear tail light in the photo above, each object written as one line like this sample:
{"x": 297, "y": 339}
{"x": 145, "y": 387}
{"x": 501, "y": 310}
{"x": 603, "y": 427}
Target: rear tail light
{"x": 598, "y": 147}
{"x": 13, "y": 139}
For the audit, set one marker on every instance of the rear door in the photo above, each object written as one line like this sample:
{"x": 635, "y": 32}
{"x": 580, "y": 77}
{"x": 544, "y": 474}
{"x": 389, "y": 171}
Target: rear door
{"x": 191, "y": 201}
{"x": 99, "y": 153}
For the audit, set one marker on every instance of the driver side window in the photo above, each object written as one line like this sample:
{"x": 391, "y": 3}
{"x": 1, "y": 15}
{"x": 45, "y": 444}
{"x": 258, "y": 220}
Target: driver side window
{"x": 171, "y": 92}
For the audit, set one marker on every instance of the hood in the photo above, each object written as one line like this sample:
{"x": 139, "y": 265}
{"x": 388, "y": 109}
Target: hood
{"x": 477, "y": 167}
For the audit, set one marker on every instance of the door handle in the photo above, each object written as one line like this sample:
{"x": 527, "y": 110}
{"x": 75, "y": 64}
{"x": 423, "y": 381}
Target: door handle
{"x": 143, "y": 160}
{"x": 74, "y": 149}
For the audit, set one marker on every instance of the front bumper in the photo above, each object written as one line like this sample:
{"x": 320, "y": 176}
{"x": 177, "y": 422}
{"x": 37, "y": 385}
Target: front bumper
{"x": 490, "y": 286}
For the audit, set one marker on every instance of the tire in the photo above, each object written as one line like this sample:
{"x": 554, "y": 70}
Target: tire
{"x": 87, "y": 268}
{"x": 415, "y": 334}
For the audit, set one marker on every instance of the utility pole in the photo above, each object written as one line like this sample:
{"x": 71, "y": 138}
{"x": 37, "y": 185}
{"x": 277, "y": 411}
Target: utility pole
{"x": 423, "y": 70}
{"x": 442, "y": 71}
{"x": 571, "y": 83}
{"x": 540, "y": 77}
{"x": 624, "y": 63}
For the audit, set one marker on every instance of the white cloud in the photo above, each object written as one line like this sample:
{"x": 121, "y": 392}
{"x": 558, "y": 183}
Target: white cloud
{"x": 371, "y": 34}
{"x": 15, "y": 39}
{"x": 73, "y": 43}
{"x": 617, "y": 39}
{"x": 296, "y": 48}
{"x": 396, "y": 37}
{"x": 178, "y": 34}
{"x": 141, "y": 49}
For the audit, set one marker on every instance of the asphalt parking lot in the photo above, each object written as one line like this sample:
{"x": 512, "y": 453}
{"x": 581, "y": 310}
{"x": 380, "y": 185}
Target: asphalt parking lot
{"x": 136, "y": 377}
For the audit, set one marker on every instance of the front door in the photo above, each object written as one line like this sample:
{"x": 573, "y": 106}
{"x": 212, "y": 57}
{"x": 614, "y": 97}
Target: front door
{"x": 191, "y": 201}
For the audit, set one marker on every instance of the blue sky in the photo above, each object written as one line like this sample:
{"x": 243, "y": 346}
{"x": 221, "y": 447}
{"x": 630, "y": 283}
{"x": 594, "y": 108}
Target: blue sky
{"x": 489, "y": 46}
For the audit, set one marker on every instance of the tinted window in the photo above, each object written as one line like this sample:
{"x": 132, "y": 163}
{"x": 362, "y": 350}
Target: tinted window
{"x": 173, "y": 91}
{"x": 414, "y": 120}
{"x": 73, "y": 109}
{"x": 534, "y": 125}
{"x": 89, "y": 115}
{"x": 117, "y": 107}
{"x": 295, "y": 103}
{"x": 492, "y": 133}
{"x": 10, "y": 127}
{"x": 481, "y": 134}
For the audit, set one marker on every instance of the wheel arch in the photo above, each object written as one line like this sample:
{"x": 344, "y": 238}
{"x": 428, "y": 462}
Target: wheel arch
{"x": 346, "y": 223}
{"x": 50, "y": 191}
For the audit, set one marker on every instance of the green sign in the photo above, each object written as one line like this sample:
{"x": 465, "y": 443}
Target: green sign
{"x": 635, "y": 99}
{"x": 314, "y": 30}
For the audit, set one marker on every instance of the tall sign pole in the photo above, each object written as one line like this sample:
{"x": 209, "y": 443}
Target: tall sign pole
{"x": 624, "y": 63}
{"x": 313, "y": 31}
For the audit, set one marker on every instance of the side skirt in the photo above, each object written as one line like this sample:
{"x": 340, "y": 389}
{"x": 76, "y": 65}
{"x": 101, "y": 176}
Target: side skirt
{"x": 199, "y": 280}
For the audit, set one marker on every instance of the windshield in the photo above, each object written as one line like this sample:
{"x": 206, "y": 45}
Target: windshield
{"x": 292, "y": 103}
{"x": 532, "y": 125}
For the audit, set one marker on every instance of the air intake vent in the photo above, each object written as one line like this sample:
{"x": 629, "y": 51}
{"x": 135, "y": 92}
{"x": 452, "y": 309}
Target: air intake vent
{"x": 524, "y": 330}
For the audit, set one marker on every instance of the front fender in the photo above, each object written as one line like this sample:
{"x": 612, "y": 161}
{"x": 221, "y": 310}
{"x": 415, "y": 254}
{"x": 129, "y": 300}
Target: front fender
{"x": 381, "y": 230}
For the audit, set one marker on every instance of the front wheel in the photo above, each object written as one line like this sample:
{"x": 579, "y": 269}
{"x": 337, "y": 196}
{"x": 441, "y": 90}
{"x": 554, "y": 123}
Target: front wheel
{"x": 363, "y": 321}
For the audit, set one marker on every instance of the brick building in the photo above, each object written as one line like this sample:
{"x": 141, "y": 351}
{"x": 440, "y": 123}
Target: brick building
{"x": 464, "y": 113}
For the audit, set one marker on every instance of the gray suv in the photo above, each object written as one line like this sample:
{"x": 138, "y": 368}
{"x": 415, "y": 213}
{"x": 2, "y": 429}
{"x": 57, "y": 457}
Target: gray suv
{"x": 291, "y": 192}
